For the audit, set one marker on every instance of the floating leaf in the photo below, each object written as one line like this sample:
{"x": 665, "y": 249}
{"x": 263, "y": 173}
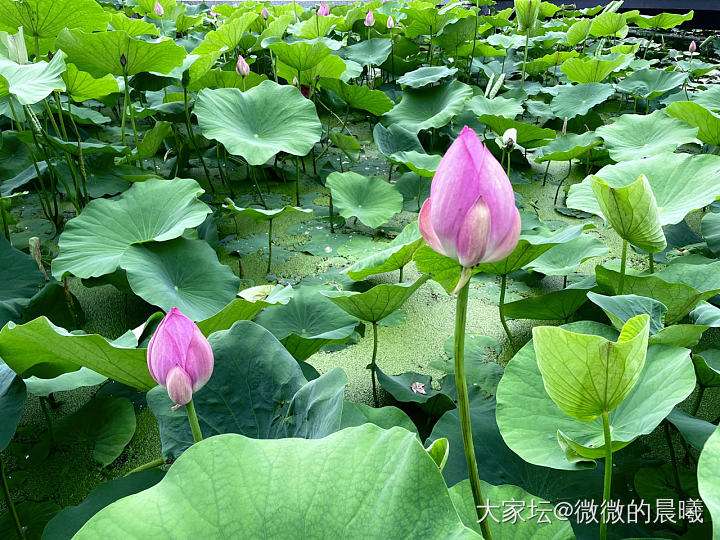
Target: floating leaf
{"x": 370, "y": 199}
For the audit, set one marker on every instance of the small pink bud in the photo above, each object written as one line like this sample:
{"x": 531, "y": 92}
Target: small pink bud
{"x": 693, "y": 46}
{"x": 265, "y": 13}
{"x": 323, "y": 10}
{"x": 159, "y": 11}
{"x": 369, "y": 18}
{"x": 295, "y": 82}
{"x": 179, "y": 357}
{"x": 390, "y": 23}
{"x": 242, "y": 68}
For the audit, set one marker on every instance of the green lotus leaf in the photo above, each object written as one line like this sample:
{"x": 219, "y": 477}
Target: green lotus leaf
{"x": 710, "y": 227}
{"x": 425, "y": 165}
{"x": 679, "y": 335}
{"x": 568, "y": 147}
{"x": 498, "y": 106}
{"x": 590, "y": 69}
{"x": 578, "y": 31}
{"x": 100, "y": 53}
{"x": 554, "y": 306}
{"x": 133, "y": 27}
{"x": 586, "y": 375}
{"x": 707, "y": 367}
{"x": 377, "y": 303}
{"x": 180, "y": 273}
{"x": 259, "y": 123}
{"x": 563, "y": 259}
{"x": 227, "y": 37}
{"x": 577, "y": 100}
{"x": 429, "y": 107}
{"x": 661, "y": 20}
{"x": 230, "y": 472}
{"x": 82, "y": 86}
{"x": 20, "y": 280}
{"x": 695, "y": 271}
{"x": 548, "y": 62}
{"x": 217, "y": 78}
{"x": 395, "y": 139}
{"x": 635, "y": 136}
{"x": 46, "y": 18}
{"x": 369, "y": 52}
{"x": 357, "y": 414}
{"x": 314, "y": 27}
{"x": 426, "y": 75}
{"x": 609, "y": 24}
{"x": 709, "y": 478}
{"x": 370, "y": 199}
{"x": 44, "y": 350}
{"x": 302, "y": 55}
{"x": 12, "y": 403}
{"x": 93, "y": 243}
{"x": 260, "y": 214}
{"x": 534, "y": 437}
{"x": 622, "y": 308}
{"x": 694, "y": 430}
{"x": 632, "y": 212}
{"x": 528, "y": 135}
{"x": 705, "y": 314}
{"x": 707, "y": 122}
{"x": 71, "y": 147}
{"x": 399, "y": 253}
{"x": 674, "y": 199}
{"x": 651, "y": 83}
{"x": 402, "y": 388}
{"x": 359, "y": 97}
{"x": 62, "y": 383}
{"x": 307, "y": 323}
{"x": 709, "y": 98}
{"x": 30, "y": 83}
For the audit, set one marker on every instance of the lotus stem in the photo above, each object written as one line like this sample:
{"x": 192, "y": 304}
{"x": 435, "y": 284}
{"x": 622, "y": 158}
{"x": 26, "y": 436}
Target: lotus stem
{"x": 623, "y": 263}
{"x": 472, "y": 54}
{"x": 651, "y": 268}
{"x": 146, "y": 466}
{"x": 401, "y": 274}
{"x": 464, "y": 408}
{"x": 698, "y": 400}
{"x": 191, "y": 133}
{"x": 10, "y": 504}
{"x": 608, "y": 475}
{"x": 547, "y": 168}
{"x": 673, "y": 459}
{"x": 501, "y": 310}
{"x": 297, "y": 181}
{"x": 194, "y": 424}
{"x": 3, "y": 215}
{"x": 527, "y": 42}
{"x": 48, "y": 418}
{"x": 269, "y": 245}
{"x": 373, "y": 364}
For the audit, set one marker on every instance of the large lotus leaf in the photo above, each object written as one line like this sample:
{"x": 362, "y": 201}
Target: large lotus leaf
{"x": 307, "y": 323}
{"x": 694, "y": 430}
{"x": 64, "y": 382}
{"x": 707, "y": 122}
{"x": 567, "y": 147}
{"x": 314, "y": 27}
{"x": 257, "y": 389}
{"x": 709, "y": 98}
{"x": 324, "y": 486}
{"x": 425, "y": 165}
{"x": 705, "y": 314}
{"x": 651, "y": 83}
{"x": 528, "y": 135}
{"x": 695, "y": 271}
{"x": 578, "y": 31}
{"x": 635, "y": 136}
{"x": 674, "y": 199}
{"x": 370, "y": 199}
{"x": 426, "y": 75}
{"x": 554, "y": 306}
{"x": 369, "y": 52}
{"x": 82, "y": 86}
{"x": 20, "y": 280}
{"x": 590, "y": 69}
{"x": 661, "y": 20}
{"x": 134, "y": 27}
{"x": 395, "y": 139}
{"x": 709, "y": 478}
{"x": 30, "y": 83}
{"x": 44, "y": 350}
{"x": 548, "y": 62}
{"x": 563, "y": 259}
{"x": 377, "y": 303}
{"x": 94, "y": 242}
{"x": 357, "y": 414}
{"x": 46, "y": 18}
{"x": 632, "y": 212}
{"x": 588, "y": 375}
{"x": 577, "y": 100}
{"x": 535, "y": 437}
{"x": 429, "y": 107}
{"x": 399, "y": 252}
{"x": 100, "y": 53}
{"x": 609, "y": 24}
{"x": 259, "y": 123}
{"x": 621, "y": 308}
{"x": 526, "y": 525}
{"x": 180, "y": 273}
{"x": 12, "y": 403}
{"x": 498, "y": 106}
{"x": 678, "y": 297}
{"x": 302, "y": 55}
{"x": 359, "y": 97}
{"x": 227, "y": 37}
{"x": 710, "y": 227}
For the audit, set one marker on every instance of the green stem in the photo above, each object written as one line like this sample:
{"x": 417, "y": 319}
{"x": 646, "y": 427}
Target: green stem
{"x": 501, "y": 310}
{"x": 527, "y": 40}
{"x": 147, "y": 466}
{"x": 194, "y": 424}
{"x": 401, "y": 274}
{"x": 191, "y": 133}
{"x": 698, "y": 400}
{"x": 464, "y": 408}
{"x": 373, "y": 364}
{"x": 124, "y": 112}
{"x": 269, "y": 245}
{"x": 3, "y": 214}
{"x": 10, "y": 504}
{"x": 623, "y": 263}
{"x": 608, "y": 473}
{"x": 297, "y": 181}
{"x": 652, "y": 263}
{"x": 48, "y": 418}
{"x": 673, "y": 459}
{"x": 547, "y": 168}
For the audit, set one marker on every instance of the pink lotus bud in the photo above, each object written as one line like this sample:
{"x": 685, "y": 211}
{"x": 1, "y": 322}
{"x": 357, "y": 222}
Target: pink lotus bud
{"x": 390, "y": 23}
{"x": 242, "y": 68}
{"x": 179, "y": 357}
{"x": 693, "y": 46}
{"x": 323, "y": 10}
{"x": 159, "y": 11}
{"x": 369, "y": 18}
{"x": 265, "y": 13}
{"x": 471, "y": 214}
{"x": 295, "y": 82}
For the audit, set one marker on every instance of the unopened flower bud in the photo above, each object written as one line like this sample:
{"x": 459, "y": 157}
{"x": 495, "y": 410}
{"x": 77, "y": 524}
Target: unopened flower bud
{"x": 159, "y": 11}
{"x": 390, "y": 22}
{"x": 265, "y": 13}
{"x": 123, "y": 60}
{"x": 693, "y": 46}
{"x": 242, "y": 68}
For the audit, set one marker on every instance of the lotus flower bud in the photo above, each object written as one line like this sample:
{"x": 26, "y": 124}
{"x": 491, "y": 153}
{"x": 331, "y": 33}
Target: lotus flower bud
{"x": 509, "y": 139}
{"x": 179, "y": 357}
{"x": 265, "y": 13}
{"x": 369, "y": 18}
{"x": 323, "y": 10}
{"x": 471, "y": 214}
{"x": 212, "y": 12}
{"x": 390, "y": 23}
{"x": 159, "y": 11}
{"x": 295, "y": 82}
{"x": 242, "y": 68}
{"x": 123, "y": 60}
{"x": 693, "y": 46}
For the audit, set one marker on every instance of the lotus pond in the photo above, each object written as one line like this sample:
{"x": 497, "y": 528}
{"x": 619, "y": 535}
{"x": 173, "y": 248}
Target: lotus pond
{"x": 372, "y": 270}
